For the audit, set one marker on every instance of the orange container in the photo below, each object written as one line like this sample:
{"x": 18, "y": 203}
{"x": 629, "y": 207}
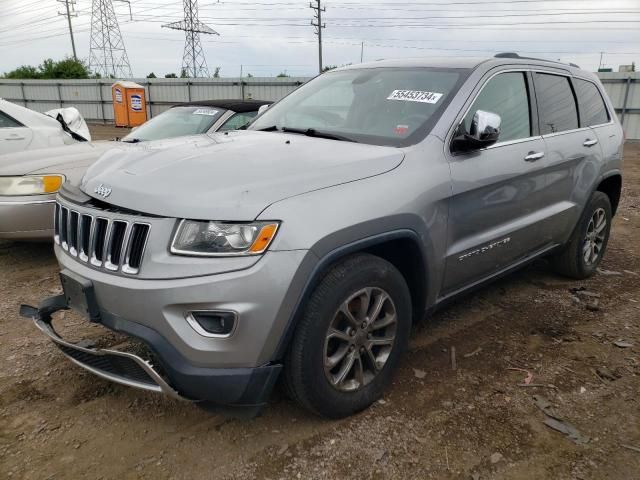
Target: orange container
{"x": 129, "y": 104}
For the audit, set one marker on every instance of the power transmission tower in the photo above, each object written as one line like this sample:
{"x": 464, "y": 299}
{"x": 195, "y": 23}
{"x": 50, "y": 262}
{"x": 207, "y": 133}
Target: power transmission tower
{"x": 319, "y": 26}
{"x": 193, "y": 62}
{"x": 107, "y": 55}
{"x": 71, "y": 12}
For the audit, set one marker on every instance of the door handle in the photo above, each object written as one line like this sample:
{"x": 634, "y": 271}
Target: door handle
{"x": 590, "y": 143}
{"x": 533, "y": 156}
{"x": 14, "y": 137}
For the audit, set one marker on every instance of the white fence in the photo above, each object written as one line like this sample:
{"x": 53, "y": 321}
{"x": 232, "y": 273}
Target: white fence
{"x": 624, "y": 91}
{"x": 93, "y": 97}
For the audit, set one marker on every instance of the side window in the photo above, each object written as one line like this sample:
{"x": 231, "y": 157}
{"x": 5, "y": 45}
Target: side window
{"x": 556, "y": 104}
{"x": 238, "y": 120}
{"x": 590, "y": 103}
{"x": 505, "y": 94}
{"x": 7, "y": 122}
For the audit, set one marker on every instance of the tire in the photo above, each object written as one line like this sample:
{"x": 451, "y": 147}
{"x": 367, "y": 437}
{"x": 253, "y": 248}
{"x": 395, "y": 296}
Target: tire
{"x": 317, "y": 386}
{"x": 572, "y": 260}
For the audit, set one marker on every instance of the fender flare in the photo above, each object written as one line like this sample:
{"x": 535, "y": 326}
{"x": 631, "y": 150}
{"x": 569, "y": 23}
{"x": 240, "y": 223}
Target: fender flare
{"x": 323, "y": 262}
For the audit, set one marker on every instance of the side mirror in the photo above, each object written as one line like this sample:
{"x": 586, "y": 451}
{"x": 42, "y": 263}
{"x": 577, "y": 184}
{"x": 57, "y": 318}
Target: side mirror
{"x": 484, "y": 131}
{"x": 262, "y": 109}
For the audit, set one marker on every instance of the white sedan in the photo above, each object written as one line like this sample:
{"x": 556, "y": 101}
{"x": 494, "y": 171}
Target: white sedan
{"x": 24, "y": 129}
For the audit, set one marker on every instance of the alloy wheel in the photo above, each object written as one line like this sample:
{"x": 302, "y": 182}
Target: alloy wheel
{"x": 360, "y": 339}
{"x": 595, "y": 236}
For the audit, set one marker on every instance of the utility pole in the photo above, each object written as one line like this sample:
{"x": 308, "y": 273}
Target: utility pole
{"x": 600, "y": 63}
{"x": 319, "y": 26}
{"x": 193, "y": 61}
{"x": 361, "y": 51}
{"x": 69, "y": 15}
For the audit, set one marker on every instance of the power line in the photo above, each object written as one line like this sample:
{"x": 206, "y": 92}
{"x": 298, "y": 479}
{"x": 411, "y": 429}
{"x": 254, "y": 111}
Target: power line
{"x": 318, "y": 9}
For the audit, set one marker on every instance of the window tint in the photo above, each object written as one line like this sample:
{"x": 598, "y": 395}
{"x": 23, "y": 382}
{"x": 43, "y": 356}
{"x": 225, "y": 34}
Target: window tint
{"x": 238, "y": 120}
{"x": 506, "y": 95}
{"x": 7, "y": 122}
{"x": 556, "y": 104}
{"x": 590, "y": 104}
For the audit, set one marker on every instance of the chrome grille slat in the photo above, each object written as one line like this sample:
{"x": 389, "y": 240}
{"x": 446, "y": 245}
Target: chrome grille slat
{"x": 56, "y": 223}
{"x": 64, "y": 228}
{"x": 112, "y": 244}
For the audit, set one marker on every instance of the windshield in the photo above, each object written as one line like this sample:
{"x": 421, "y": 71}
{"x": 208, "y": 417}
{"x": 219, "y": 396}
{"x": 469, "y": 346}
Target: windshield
{"x": 176, "y": 122}
{"x": 380, "y": 106}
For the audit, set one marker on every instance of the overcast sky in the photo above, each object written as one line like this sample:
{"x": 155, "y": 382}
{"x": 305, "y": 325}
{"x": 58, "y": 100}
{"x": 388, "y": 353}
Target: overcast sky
{"x": 269, "y": 37}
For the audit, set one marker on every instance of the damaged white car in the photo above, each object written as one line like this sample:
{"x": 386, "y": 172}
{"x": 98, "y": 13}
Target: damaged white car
{"x": 24, "y": 129}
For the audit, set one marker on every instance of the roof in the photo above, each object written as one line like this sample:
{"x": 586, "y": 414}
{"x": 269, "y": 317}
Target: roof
{"x": 464, "y": 62}
{"x": 238, "y": 106}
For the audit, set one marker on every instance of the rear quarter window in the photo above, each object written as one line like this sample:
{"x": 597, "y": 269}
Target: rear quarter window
{"x": 590, "y": 104}
{"x": 8, "y": 122}
{"x": 556, "y": 103}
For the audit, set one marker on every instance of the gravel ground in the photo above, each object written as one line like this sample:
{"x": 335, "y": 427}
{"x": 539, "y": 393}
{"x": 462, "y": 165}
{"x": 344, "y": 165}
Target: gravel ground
{"x": 581, "y": 361}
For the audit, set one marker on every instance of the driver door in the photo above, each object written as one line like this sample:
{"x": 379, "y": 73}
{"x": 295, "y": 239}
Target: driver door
{"x": 497, "y": 192}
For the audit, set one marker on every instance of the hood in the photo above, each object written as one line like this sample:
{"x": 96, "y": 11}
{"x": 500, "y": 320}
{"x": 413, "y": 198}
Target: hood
{"x": 54, "y": 160}
{"x": 231, "y": 176}
{"x": 72, "y": 122}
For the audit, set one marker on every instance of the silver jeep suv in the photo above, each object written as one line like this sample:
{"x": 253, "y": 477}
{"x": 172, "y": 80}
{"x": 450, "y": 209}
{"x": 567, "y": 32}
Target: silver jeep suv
{"x": 303, "y": 248}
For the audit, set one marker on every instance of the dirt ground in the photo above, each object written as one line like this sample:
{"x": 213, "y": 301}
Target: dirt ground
{"x": 581, "y": 361}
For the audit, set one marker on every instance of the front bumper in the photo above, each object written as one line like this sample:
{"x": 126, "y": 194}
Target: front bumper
{"x": 27, "y": 218}
{"x": 173, "y": 375}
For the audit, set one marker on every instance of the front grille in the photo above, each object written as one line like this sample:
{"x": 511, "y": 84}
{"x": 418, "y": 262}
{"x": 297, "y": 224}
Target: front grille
{"x": 112, "y": 244}
{"x": 117, "y": 365}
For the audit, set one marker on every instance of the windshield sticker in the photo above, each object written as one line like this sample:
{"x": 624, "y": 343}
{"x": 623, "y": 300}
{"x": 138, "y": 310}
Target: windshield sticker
{"x": 402, "y": 129}
{"x": 206, "y": 111}
{"x": 415, "y": 96}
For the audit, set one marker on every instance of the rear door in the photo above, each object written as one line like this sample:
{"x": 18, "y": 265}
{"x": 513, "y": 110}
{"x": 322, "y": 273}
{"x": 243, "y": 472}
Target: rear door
{"x": 573, "y": 150}
{"x": 497, "y": 192}
{"x": 14, "y": 137}
{"x": 595, "y": 115}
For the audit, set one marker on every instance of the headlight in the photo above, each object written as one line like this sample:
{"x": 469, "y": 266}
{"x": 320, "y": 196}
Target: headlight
{"x": 30, "y": 184}
{"x": 211, "y": 239}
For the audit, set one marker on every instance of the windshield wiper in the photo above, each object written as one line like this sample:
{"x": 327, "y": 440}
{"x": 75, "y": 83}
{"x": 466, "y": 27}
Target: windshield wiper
{"x": 131, "y": 140}
{"x": 272, "y": 128}
{"x": 312, "y": 132}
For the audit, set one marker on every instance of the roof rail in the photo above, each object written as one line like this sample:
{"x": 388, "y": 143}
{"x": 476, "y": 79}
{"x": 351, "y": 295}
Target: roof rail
{"x": 515, "y": 55}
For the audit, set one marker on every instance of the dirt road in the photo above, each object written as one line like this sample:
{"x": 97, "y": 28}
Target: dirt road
{"x": 477, "y": 421}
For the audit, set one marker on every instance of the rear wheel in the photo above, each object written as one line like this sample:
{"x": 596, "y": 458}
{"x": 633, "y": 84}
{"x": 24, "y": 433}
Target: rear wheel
{"x": 348, "y": 342}
{"x": 583, "y": 254}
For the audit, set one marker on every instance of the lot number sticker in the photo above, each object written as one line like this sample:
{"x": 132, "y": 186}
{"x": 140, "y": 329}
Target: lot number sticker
{"x": 415, "y": 96}
{"x": 205, "y": 111}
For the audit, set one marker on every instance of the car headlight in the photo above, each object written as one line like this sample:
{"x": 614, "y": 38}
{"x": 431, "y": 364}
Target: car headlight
{"x": 211, "y": 239}
{"x": 30, "y": 184}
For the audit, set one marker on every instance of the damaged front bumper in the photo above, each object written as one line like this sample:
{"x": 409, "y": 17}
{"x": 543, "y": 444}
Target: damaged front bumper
{"x": 169, "y": 372}
{"x": 119, "y": 367}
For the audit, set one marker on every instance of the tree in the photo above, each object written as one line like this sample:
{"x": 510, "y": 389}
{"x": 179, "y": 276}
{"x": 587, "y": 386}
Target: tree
{"x": 249, "y": 75}
{"x": 633, "y": 66}
{"x": 216, "y": 73}
{"x": 184, "y": 74}
{"x": 171, "y": 75}
{"x": 25, "y": 71}
{"x": 152, "y": 75}
{"x": 49, "y": 69}
{"x": 329, "y": 67}
{"x": 282, "y": 75}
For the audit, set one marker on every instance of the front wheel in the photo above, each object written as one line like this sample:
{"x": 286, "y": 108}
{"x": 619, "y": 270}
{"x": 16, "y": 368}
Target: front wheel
{"x": 348, "y": 342}
{"x": 583, "y": 254}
